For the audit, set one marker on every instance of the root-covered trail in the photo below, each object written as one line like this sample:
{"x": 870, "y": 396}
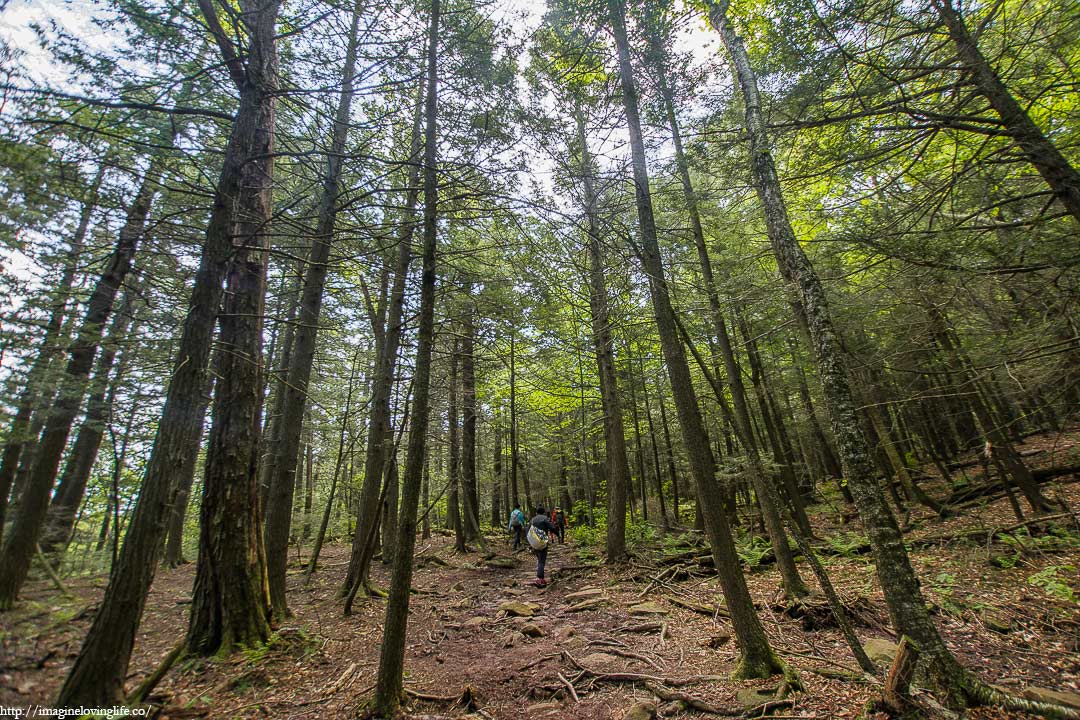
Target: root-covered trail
{"x": 594, "y": 642}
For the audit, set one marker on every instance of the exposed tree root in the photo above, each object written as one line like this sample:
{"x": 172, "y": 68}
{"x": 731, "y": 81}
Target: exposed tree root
{"x": 147, "y": 686}
{"x": 982, "y": 693}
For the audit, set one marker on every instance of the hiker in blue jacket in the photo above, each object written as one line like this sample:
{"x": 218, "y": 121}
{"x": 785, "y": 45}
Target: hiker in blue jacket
{"x": 541, "y": 522}
{"x": 517, "y": 526}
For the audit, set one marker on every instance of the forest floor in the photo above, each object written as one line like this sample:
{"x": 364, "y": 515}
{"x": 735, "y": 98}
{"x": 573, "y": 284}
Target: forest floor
{"x": 1007, "y": 609}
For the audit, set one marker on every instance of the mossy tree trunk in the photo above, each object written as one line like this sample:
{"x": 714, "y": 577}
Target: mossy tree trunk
{"x": 389, "y": 687}
{"x": 756, "y": 658}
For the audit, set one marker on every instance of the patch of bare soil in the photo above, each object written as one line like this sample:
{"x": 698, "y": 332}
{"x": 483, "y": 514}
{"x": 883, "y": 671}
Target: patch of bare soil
{"x": 594, "y": 642}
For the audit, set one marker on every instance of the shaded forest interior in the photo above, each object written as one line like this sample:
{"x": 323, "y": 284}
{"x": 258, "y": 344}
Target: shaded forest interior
{"x": 775, "y": 302}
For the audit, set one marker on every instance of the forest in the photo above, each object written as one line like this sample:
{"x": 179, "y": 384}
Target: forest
{"x": 591, "y": 359}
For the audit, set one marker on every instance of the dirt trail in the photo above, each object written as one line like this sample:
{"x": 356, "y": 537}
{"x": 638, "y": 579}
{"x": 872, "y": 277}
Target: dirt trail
{"x": 466, "y": 631}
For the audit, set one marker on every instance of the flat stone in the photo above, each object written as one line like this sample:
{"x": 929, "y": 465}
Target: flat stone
{"x": 647, "y": 608}
{"x": 530, "y": 630}
{"x": 1058, "y": 697}
{"x": 881, "y": 651}
{"x": 502, "y": 562}
{"x": 598, "y": 659}
{"x": 996, "y": 620}
{"x": 751, "y": 698}
{"x": 543, "y": 709}
{"x": 515, "y": 608}
{"x": 587, "y": 604}
{"x": 641, "y": 711}
{"x": 474, "y": 622}
{"x": 585, "y": 594}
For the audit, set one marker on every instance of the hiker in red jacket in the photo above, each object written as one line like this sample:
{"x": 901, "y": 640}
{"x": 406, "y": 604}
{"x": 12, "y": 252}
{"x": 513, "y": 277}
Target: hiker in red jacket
{"x": 558, "y": 519}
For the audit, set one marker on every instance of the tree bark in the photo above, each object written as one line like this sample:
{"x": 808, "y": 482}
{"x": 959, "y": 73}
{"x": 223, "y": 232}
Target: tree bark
{"x": 302, "y": 355}
{"x": 230, "y": 601}
{"x": 614, "y": 433}
{"x": 907, "y": 608}
{"x": 756, "y": 657}
{"x": 185, "y": 477}
{"x": 389, "y": 687}
{"x": 97, "y": 678}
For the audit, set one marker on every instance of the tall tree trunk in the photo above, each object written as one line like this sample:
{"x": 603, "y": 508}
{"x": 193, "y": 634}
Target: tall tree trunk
{"x": 907, "y": 608}
{"x": 185, "y": 476}
{"x": 339, "y": 464}
{"x": 388, "y": 340}
{"x": 230, "y": 601}
{"x": 513, "y": 427}
{"x": 22, "y": 537}
{"x": 97, "y": 677}
{"x": 302, "y": 355}
{"x": 618, "y": 469}
{"x": 471, "y": 505}
{"x": 278, "y": 359}
{"x": 72, "y": 486}
{"x": 756, "y": 657}
{"x": 497, "y": 510}
{"x": 19, "y": 434}
{"x": 453, "y": 499}
{"x": 389, "y": 687}
{"x": 1059, "y": 174}
{"x": 792, "y": 582}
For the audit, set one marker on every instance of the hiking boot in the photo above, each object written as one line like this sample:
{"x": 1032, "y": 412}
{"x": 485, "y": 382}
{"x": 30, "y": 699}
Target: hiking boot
{"x": 540, "y": 582}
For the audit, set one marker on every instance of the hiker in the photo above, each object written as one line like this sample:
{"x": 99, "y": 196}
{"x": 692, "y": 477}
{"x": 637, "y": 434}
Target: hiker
{"x": 558, "y": 519}
{"x": 540, "y": 529}
{"x": 516, "y": 526}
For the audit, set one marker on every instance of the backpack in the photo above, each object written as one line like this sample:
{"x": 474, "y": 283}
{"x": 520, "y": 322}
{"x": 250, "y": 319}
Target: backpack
{"x": 516, "y": 519}
{"x": 538, "y": 539}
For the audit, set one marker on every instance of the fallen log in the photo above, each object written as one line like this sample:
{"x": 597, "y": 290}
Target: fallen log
{"x": 994, "y": 489}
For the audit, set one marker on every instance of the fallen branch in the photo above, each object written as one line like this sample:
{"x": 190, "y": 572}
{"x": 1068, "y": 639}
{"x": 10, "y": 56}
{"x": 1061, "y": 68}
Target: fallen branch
{"x": 52, "y": 575}
{"x": 643, "y": 628}
{"x": 569, "y": 686}
{"x": 981, "y": 534}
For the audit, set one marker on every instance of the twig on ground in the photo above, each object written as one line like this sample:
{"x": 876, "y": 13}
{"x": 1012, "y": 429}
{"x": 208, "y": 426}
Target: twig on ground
{"x": 570, "y": 687}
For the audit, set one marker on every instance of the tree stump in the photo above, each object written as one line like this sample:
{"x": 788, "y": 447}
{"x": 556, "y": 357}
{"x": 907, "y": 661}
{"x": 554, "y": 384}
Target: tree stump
{"x": 895, "y": 695}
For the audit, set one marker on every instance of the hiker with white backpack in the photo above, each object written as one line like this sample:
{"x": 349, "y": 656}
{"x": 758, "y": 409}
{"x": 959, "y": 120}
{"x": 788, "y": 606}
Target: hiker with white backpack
{"x": 540, "y": 530}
